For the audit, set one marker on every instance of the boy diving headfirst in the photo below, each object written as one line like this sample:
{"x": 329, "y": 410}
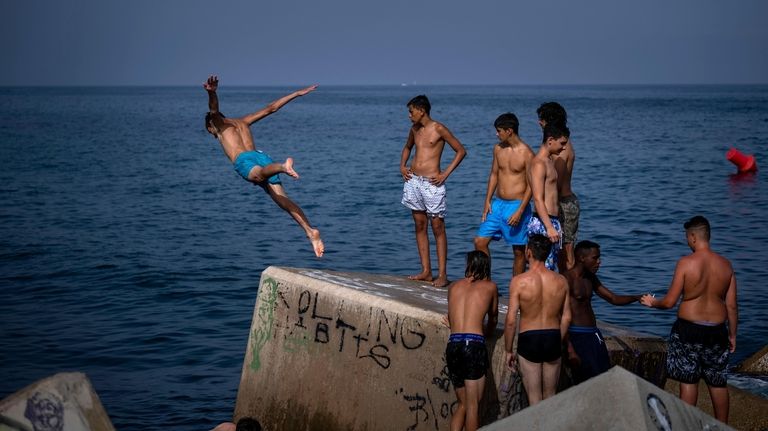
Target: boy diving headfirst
{"x": 254, "y": 166}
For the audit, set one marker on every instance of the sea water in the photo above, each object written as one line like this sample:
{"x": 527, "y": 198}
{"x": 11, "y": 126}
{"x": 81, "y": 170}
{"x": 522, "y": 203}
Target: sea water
{"x": 130, "y": 249}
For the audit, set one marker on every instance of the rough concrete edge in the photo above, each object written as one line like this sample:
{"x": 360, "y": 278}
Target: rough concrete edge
{"x": 747, "y": 366}
{"x": 72, "y": 383}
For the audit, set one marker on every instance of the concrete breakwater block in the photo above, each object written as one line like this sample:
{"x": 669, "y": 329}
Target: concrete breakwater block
{"x": 64, "y": 401}
{"x": 615, "y": 400}
{"x": 756, "y": 364}
{"x": 352, "y": 351}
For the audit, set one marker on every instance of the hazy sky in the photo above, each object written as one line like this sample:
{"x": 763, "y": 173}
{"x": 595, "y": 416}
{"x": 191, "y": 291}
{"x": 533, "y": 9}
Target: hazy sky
{"x": 255, "y": 42}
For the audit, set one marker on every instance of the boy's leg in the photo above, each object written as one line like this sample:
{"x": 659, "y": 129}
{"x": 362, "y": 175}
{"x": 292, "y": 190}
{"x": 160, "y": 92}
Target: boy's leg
{"x": 566, "y": 259}
{"x": 422, "y": 244}
{"x": 519, "y": 266}
{"x": 259, "y": 174}
{"x": 277, "y": 193}
{"x": 482, "y": 243}
{"x": 550, "y": 375}
{"x": 474, "y": 393}
{"x": 532, "y": 378}
{"x": 720, "y": 402}
{"x": 689, "y": 393}
{"x": 441, "y": 243}
{"x": 457, "y": 419}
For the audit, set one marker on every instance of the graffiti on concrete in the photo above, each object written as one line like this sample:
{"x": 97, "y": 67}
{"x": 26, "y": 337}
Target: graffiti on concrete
{"x": 310, "y": 324}
{"x": 265, "y": 314}
{"x": 45, "y": 411}
{"x": 427, "y": 407}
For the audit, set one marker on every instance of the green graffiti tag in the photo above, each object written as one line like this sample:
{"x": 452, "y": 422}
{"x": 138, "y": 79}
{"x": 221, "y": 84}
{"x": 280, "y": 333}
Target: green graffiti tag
{"x": 266, "y": 316}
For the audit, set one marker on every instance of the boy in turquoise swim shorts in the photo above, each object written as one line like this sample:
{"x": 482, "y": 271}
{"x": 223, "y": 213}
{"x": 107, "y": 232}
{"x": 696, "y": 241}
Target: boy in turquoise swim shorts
{"x": 507, "y": 207}
{"x": 254, "y": 166}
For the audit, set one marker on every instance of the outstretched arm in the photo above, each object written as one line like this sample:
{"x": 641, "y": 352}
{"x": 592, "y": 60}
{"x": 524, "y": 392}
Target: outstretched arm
{"x": 211, "y": 85}
{"x": 673, "y": 294}
{"x": 613, "y": 298}
{"x": 457, "y": 158}
{"x": 276, "y": 105}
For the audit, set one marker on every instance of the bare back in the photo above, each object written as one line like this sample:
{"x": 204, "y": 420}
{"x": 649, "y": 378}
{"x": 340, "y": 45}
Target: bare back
{"x": 469, "y": 302}
{"x": 541, "y": 296}
{"x": 429, "y": 145}
{"x": 564, "y": 165}
{"x": 235, "y": 137}
{"x": 512, "y": 163}
{"x": 543, "y": 180}
{"x": 706, "y": 278}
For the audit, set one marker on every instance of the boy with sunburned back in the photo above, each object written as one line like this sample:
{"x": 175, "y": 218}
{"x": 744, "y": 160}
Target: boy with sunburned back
{"x": 542, "y": 176}
{"x": 541, "y": 295}
{"x": 506, "y": 212}
{"x": 254, "y": 166}
{"x": 469, "y": 301}
{"x": 424, "y": 188}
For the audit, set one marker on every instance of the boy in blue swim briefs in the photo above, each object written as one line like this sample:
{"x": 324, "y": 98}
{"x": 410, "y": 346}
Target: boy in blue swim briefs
{"x": 507, "y": 199}
{"x": 469, "y": 301}
{"x": 254, "y": 166}
{"x": 541, "y": 296}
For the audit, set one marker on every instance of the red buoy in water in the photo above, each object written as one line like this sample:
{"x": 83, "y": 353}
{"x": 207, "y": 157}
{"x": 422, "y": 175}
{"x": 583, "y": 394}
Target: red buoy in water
{"x": 742, "y": 161}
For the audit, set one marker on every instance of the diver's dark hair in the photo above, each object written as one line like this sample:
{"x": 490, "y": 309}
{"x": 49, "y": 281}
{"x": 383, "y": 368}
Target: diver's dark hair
{"x": 699, "y": 223}
{"x": 552, "y": 112}
{"x": 420, "y": 102}
{"x": 209, "y": 117}
{"x": 583, "y": 246}
{"x": 555, "y": 131}
{"x": 478, "y": 265}
{"x": 248, "y": 424}
{"x": 507, "y": 121}
{"x": 540, "y": 246}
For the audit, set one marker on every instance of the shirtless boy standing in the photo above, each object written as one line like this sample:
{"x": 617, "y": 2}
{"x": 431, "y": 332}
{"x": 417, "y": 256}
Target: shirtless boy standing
{"x": 506, "y": 215}
{"x": 587, "y": 352}
{"x": 541, "y": 296}
{"x": 424, "y": 188}
{"x": 704, "y": 334}
{"x": 469, "y": 301}
{"x": 254, "y": 166}
{"x": 569, "y": 207}
{"x": 542, "y": 176}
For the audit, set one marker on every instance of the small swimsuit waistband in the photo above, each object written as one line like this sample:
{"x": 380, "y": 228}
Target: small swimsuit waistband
{"x": 550, "y": 216}
{"x": 541, "y": 331}
{"x": 582, "y": 329}
{"x": 705, "y": 326}
{"x": 460, "y": 337}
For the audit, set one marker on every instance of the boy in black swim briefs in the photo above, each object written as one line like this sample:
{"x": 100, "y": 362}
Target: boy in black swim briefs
{"x": 469, "y": 301}
{"x": 541, "y": 296}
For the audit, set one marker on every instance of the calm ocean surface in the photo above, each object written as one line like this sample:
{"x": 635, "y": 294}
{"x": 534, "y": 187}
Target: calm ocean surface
{"x": 130, "y": 249}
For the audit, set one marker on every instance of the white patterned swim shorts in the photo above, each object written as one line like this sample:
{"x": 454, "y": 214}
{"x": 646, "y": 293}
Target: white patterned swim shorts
{"x": 421, "y": 195}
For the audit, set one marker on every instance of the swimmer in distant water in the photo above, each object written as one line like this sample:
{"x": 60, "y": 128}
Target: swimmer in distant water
{"x": 704, "y": 335}
{"x": 254, "y": 166}
{"x": 469, "y": 301}
{"x": 541, "y": 295}
{"x": 424, "y": 188}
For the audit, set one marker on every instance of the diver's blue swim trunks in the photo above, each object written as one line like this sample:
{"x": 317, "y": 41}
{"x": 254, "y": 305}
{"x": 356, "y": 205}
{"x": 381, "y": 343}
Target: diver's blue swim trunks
{"x": 248, "y": 159}
{"x": 496, "y": 227}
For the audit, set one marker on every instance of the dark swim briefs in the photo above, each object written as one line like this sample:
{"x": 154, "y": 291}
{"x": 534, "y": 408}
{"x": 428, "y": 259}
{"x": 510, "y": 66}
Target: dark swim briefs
{"x": 467, "y": 358}
{"x": 697, "y": 351}
{"x": 540, "y": 345}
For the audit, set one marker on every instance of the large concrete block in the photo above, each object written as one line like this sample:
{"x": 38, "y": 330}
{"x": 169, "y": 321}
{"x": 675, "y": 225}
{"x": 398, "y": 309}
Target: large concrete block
{"x": 616, "y": 400}
{"x": 756, "y": 364}
{"x": 62, "y": 402}
{"x": 337, "y": 351}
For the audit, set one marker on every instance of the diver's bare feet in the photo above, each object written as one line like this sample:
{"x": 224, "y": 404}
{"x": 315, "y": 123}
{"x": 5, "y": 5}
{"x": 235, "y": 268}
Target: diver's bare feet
{"x": 317, "y": 243}
{"x": 423, "y": 276}
{"x": 441, "y": 281}
{"x": 288, "y": 166}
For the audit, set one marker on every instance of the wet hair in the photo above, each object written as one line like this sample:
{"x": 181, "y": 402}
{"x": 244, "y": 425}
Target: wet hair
{"x": 698, "y": 223}
{"x": 540, "y": 246}
{"x": 478, "y": 265}
{"x": 582, "y": 247}
{"x": 555, "y": 131}
{"x": 209, "y": 118}
{"x": 507, "y": 121}
{"x": 248, "y": 424}
{"x": 420, "y": 102}
{"x": 552, "y": 112}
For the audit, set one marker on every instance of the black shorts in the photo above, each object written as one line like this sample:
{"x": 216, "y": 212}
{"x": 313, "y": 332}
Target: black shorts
{"x": 540, "y": 345}
{"x": 698, "y": 351}
{"x": 588, "y": 343}
{"x": 467, "y": 358}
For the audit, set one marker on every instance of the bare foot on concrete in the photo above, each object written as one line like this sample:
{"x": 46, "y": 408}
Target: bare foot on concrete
{"x": 441, "y": 281}
{"x": 422, "y": 276}
{"x": 317, "y": 243}
{"x": 288, "y": 166}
